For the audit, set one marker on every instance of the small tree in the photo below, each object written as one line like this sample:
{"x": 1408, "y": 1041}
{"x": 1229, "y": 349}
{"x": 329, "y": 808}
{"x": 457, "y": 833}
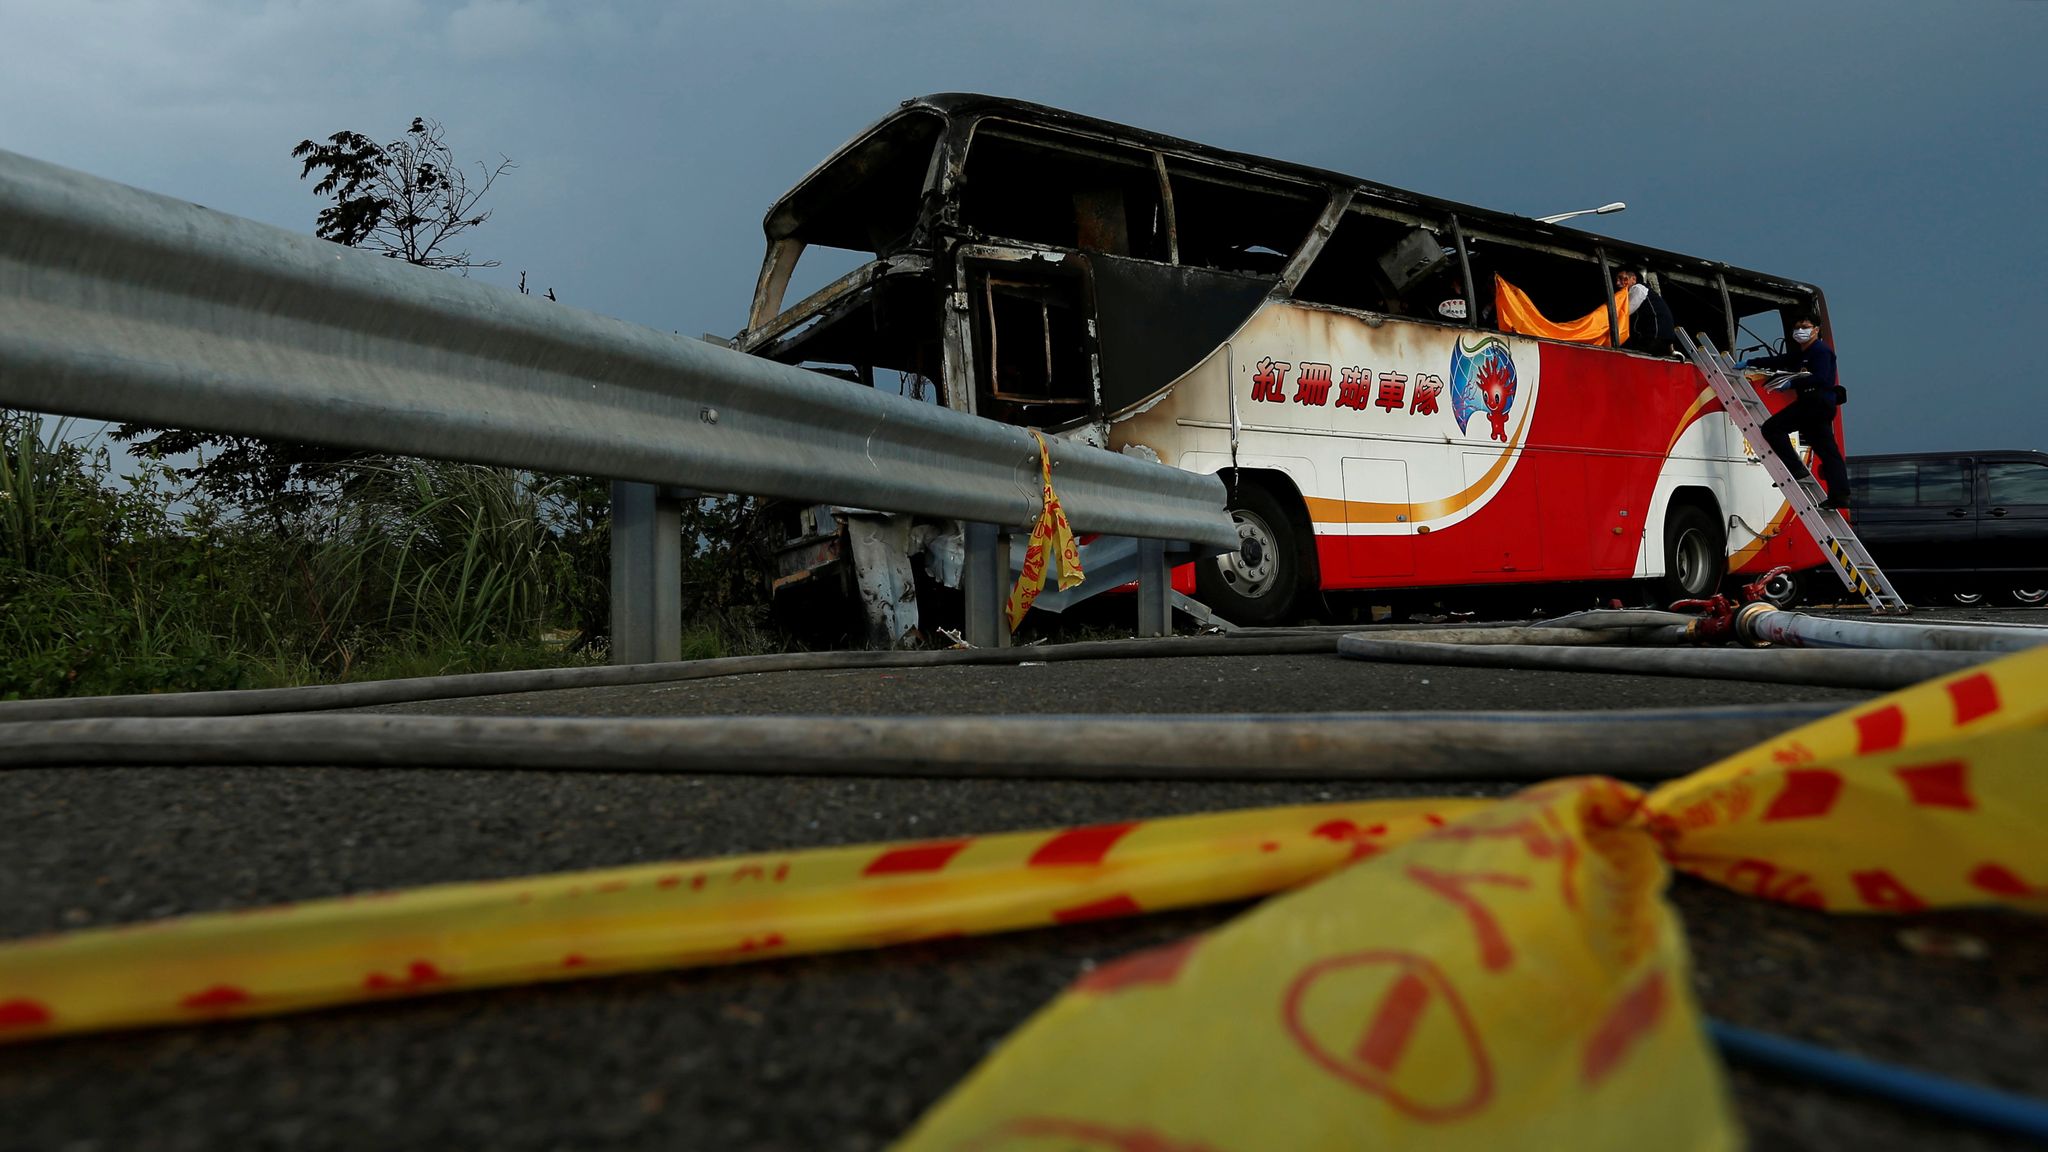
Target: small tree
{"x": 408, "y": 199}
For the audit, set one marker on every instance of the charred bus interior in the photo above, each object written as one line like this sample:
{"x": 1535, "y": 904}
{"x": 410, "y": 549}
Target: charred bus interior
{"x": 1051, "y": 270}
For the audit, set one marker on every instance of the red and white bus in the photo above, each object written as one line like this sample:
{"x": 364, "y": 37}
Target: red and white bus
{"x": 1303, "y": 334}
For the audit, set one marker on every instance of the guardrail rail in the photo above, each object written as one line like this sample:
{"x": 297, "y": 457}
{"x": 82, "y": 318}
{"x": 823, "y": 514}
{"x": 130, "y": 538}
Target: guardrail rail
{"x": 121, "y": 304}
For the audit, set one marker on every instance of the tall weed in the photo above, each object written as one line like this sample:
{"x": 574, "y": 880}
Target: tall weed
{"x": 104, "y": 588}
{"x": 399, "y": 567}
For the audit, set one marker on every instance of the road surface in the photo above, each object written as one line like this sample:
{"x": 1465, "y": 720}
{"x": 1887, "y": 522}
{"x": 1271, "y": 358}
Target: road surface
{"x": 837, "y": 1052}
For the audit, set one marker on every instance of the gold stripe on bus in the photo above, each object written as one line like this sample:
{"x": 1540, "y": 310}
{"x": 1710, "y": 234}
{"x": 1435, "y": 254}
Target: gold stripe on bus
{"x": 1744, "y": 554}
{"x": 1699, "y": 402}
{"x": 1324, "y": 510}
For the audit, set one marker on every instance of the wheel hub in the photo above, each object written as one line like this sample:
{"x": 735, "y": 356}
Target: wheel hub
{"x": 1250, "y": 571}
{"x": 1692, "y": 561}
{"x": 1780, "y": 587}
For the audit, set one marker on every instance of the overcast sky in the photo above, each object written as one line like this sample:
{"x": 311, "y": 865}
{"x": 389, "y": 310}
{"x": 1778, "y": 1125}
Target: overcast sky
{"x": 1894, "y": 152}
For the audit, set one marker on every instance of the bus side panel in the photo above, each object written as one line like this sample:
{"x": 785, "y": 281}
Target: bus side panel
{"x": 1781, "y": 541}
{"x": 1428, "y": 455}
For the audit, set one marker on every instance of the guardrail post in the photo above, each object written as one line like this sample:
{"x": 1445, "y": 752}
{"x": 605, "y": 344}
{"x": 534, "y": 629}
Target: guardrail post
{"x": 647, "y": 573}
{"x": 1155, "y": 590}
{"x": 984, "y": 585}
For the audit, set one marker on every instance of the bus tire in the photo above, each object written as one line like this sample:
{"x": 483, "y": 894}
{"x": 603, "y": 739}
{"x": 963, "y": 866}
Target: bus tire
{"x": 1261, "y": 582}
{"x": 1695, "y": 554}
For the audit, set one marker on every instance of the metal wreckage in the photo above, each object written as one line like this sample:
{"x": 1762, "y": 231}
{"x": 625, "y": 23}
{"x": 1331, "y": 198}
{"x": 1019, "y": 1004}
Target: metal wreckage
{"x": 1150, "y": 296}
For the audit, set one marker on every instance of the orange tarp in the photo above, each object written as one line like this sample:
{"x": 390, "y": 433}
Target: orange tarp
{"x": 1518, "y": 314}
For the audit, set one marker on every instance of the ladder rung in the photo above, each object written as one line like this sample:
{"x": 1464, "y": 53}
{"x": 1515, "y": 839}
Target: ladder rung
{"x": 1830, "y": 529}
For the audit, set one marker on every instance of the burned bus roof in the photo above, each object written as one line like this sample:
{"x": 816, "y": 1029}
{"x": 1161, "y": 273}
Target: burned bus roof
{"x": 817, "y": 211}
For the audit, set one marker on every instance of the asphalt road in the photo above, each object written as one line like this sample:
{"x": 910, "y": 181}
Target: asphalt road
{"x": 838, "y": 1052}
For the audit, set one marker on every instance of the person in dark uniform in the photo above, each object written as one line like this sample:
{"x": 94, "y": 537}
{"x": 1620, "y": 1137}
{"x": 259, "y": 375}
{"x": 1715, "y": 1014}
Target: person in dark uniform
{"x": 1812, "y": 411}
{"x": 1649, "y": 318}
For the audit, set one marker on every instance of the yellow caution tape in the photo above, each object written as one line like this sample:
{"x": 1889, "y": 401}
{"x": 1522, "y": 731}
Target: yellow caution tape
{"x": 1510, "y": 980}
{"x": 672, "y": 915}
{"x": 1515, "y": 978}
{"x": 1930, "y": 797}
{"x": 1482, "y": 973}
{"x": 1050, "y": 534}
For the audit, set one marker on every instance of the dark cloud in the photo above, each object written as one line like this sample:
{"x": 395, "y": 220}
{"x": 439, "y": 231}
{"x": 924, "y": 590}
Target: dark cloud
{"x": 1892, "y": 151}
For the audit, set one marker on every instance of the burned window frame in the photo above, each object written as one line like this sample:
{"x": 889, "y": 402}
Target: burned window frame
{"x": 989, "y": 134}
{"x": 785, "y": 219}
{"x": 1065, "y": 286}
{"x": 1310, "y": 200}
{"x": 1396, "y": 292}
{"x": 1691, "y": 286}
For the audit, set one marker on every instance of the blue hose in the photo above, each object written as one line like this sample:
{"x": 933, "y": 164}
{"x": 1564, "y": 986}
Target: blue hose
{"x": 1982, "y": 1106}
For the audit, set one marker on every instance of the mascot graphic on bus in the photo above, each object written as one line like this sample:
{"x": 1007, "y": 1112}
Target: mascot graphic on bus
{"x": 1483, "y": 377}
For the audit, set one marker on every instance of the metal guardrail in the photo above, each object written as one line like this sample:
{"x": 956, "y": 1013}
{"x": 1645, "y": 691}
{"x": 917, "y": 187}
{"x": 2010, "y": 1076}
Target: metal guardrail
{"x": 120, "y": 304}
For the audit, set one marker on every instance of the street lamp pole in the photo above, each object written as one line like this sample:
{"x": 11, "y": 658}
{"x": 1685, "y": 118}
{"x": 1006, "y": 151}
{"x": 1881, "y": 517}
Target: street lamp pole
{"x": 1602, "y": 210}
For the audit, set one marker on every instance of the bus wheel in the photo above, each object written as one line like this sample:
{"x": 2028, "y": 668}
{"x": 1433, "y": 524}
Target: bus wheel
{"x": 2031, "y": 597}
{"x": 1968, "y": 598}
{"x": 1260, "y": 582}
{"x": 1695, "y": 554}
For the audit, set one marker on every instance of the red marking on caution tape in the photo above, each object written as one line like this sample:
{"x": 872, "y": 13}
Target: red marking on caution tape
{"x": 1154, "y": 966}
{"x": 1764, "y": 879}
{"x": 1118, "y": 905}
{"x": 574, "y": 960}
{"x": 23, "y": 1014}
{"x": 1882, "y": 890}
{"x": 1495, "y": 953}
{"x": 1880, "y": 731}
{"x": 1943, "y": 785}
{"x": 218, "y": 996}
{"x": 1630, "y": 1020}
{"x": 1973, "y": 696}
{"x": 418, "y": 974}
{"x": 915, "y": 858}
{"x": 1080, "y": 845}
{"x": 1346, "y": 832}
{"x": 1999, "y": 880}
{"x": 1808, "y": 792}
{"x": 1393, "y": 1026}
{"x": 1418, "y": 987}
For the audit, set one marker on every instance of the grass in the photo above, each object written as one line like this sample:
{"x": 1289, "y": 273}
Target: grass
{"x": 402, "y": 568}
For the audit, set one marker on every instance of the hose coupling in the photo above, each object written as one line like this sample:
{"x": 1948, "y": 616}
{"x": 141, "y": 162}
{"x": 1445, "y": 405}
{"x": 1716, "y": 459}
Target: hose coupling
{"x": 1747, "y": 621}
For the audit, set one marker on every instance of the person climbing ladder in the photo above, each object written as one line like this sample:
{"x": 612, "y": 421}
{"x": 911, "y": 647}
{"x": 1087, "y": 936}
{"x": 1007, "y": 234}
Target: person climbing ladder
{"x": 1812, "y": 411}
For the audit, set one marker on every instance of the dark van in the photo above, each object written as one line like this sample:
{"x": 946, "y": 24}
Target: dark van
{"x": 1971, "y": 526}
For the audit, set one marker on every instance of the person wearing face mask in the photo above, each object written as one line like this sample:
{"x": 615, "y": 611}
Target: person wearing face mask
{"x": 1812, "y": 411}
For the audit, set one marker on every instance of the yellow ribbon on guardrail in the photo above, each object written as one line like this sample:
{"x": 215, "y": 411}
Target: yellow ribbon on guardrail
{"x": 1051, "y": 534}
{"x": 1458, "y": 973}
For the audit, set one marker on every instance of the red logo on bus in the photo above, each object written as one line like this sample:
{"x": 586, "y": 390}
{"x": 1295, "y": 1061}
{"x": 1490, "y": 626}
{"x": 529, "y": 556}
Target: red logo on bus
{"x": 1483, "y": 379}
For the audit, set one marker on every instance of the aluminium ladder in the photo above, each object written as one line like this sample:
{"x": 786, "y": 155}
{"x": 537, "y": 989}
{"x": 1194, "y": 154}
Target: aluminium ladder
{"x": 1844, "y": 551}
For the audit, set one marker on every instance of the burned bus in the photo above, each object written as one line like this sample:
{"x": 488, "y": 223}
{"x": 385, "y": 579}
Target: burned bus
{"x": 1312, "y": 338}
